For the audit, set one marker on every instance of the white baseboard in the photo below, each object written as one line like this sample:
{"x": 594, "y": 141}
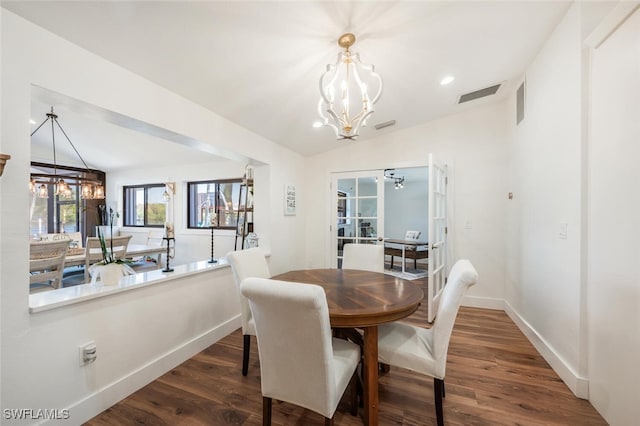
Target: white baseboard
{"x": 104, "y": 398}
{"x": 483, "y": 302}
{"x": 578, "y": 385}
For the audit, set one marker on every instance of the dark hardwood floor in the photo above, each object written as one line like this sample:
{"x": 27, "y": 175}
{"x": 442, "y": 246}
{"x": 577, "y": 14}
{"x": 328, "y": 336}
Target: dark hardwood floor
{"x": 494, "y": 377}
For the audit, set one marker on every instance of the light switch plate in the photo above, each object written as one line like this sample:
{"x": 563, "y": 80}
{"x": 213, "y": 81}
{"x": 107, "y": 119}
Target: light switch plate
{"x": 563, "y": 231}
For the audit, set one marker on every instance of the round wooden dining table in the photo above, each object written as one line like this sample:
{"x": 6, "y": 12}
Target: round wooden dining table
{"x": 363, "y": 299}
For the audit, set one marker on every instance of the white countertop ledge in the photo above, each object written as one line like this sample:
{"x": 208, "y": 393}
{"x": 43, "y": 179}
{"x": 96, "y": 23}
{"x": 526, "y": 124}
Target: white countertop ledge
{"x": 39, "y": 302}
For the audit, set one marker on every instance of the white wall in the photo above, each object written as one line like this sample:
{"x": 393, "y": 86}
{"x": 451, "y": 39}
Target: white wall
{"x": 406, "y": 209}
{"x": 544, "y": 282}
{"x": 191, "y": 245}
{"x": 140, "y": 334}
{"x": 614, "y": 231}
{"x": 473, "y": 144}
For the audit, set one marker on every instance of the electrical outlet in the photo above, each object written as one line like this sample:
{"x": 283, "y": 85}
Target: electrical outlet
{"x": 88, "y": 353}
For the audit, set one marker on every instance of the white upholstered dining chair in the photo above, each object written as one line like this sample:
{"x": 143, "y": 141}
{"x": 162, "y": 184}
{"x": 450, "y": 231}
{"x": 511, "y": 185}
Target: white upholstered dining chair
{"x": 425, "y": 350}
{"x": 300, "y": 362}
{"x": 365, "y": 257}
{"x": 247, "y": 263}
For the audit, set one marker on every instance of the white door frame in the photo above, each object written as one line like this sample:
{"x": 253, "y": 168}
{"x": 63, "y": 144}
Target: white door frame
{"x": 353, "y": 215}
{"x": 438, "y": 230}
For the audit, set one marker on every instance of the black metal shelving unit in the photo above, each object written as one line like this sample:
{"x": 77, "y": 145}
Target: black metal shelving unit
{"x": 245, "y": 213}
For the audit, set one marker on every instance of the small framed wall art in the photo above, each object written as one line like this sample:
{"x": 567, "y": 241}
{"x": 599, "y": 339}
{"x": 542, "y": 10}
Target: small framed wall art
{"x": 289, "y": 200}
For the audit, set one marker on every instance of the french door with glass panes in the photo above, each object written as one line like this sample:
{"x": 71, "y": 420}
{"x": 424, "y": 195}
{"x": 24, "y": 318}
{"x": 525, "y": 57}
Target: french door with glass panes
{"x": 358, "y": 212}
{"x": 437, "y": 217}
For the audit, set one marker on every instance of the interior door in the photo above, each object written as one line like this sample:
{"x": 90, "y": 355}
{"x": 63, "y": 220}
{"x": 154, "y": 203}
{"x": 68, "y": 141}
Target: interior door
{"x": 437, "y": 235}
{"x": 358, "y": 212}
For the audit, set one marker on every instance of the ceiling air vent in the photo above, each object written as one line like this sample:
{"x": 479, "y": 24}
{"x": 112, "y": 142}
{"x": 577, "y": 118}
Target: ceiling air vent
{"x": 488, "y": 91}
{"x": 385, "y": 124}
{"x": 520, "y": 104}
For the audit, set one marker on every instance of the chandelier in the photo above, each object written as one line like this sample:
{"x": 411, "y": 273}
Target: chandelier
{"x": 343, "y": 91}
{"x": 90, "y": 189}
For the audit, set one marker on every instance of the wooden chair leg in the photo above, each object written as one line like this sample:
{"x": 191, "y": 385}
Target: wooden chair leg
{"x": 391, "y": 262}
{"x": 354, "y": 393}
{"x": 443, "y": 392}
{"x": 415, "y": 263}
{"x": 360, "y": 386}
{"x": 438, "y": 387}
{"x": 245, "y": 354}
{"x": 266, "y": 411}
{"x": 328, "y": 422}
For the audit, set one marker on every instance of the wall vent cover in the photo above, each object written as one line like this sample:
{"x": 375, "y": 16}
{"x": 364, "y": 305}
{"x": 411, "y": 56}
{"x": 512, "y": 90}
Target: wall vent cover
{"x": 520, "y": 104}
{"x": 385, "y": 124}
{"x": 487, "y": 91}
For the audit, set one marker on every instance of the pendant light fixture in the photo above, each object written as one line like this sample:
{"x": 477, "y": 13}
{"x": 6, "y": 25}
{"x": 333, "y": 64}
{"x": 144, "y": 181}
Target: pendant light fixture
{"x": 345, "y": 103}
{"x": 89, "y": 188}
{"x": 169, "y": 191}
{"x": 398, "y": 182}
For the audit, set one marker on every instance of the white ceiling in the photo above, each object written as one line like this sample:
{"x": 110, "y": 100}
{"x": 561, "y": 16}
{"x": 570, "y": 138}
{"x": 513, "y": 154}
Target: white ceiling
{"x": 100, "y": 137}
{"x": 258, "y": 63}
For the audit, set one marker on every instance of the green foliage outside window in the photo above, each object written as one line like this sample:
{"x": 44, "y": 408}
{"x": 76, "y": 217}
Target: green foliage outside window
{"x": 143, "y": 205}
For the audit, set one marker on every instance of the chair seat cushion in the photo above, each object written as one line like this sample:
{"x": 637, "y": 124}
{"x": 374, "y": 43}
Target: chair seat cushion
{"x": 346, "y": 356}
{"x": 405, "y": 346}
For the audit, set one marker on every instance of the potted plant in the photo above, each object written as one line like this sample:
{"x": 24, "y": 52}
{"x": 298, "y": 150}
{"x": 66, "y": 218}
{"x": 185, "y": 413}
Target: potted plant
{"x": 110, "y": 269}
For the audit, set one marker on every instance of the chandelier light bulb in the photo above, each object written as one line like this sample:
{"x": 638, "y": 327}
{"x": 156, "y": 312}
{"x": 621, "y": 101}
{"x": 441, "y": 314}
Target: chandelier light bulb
{"x": 87, "y": 191}
{"x": 62, "y": 188}
{"x": 98, "y": 192}
{"x": 43, "y": 191}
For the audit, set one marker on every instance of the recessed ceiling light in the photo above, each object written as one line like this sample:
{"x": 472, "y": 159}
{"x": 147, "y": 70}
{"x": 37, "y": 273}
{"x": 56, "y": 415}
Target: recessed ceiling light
{"x": 447, "y": 79}
{"x": 317, "y": 124}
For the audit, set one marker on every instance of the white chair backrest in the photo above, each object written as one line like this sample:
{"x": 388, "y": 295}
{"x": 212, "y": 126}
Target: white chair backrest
{"x": 412, "y": 235}
{"x": 462, "y": 276}
{"x": 155, "y": 238}
{"x": 365, "y": 257}
{"x": 244, "y": 264}
{"x": 93, "y": 251}
{"x": 46, "y": 262}
{"x": 294, "y": 342}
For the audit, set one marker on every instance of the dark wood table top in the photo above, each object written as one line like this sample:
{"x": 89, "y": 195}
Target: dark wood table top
{"x": 361, "y": 298}
{"x": 406, "y": 242}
